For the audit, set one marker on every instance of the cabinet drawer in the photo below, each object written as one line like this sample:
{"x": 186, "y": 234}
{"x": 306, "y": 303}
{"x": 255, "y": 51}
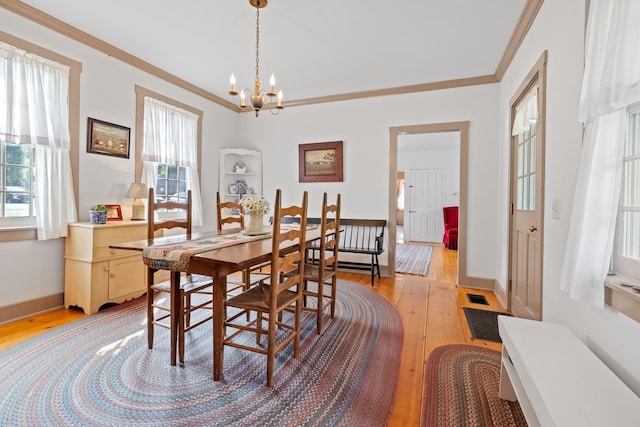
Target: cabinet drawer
{"x": 106, "y": 252}
{"x": 110, "y": 235}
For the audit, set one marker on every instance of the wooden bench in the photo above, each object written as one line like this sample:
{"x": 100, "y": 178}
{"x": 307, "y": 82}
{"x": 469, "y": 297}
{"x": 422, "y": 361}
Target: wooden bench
{"x": 558, "y": 381}
{"x": 358, "y": 236}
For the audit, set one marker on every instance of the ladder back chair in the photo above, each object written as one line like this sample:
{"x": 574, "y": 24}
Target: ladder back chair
{"x": 244, "y": 279}
{"x": 324, "y": 272}
{"x": 283, "y": 292}
{"x": 159, "y": 314}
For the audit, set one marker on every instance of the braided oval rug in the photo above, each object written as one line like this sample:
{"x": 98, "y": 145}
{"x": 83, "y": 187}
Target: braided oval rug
{"x": 461, "y": 389}
{"x": 98, "y": 371}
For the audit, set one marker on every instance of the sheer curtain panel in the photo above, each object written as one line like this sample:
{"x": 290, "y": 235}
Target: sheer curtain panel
{"x": 171, "y": 136}
{"x": 610, "y": 83}
{"x": 36, "y": 111}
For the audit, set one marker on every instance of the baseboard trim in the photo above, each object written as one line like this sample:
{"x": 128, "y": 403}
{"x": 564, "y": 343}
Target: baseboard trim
{"x": 31, "y": 307}
{"x": 502, "y": 295}
{"x": 476, "y": 283}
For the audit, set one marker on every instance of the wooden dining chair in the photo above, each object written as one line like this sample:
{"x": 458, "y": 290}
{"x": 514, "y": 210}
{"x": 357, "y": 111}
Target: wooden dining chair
{"x": 190, "y": 284}
{"x": 226, "y": 215}
{"x": 324, "y": 270}
{"x": 272, "y": 300}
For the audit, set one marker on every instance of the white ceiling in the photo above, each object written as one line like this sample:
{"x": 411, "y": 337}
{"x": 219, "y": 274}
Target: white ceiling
{"x": 315, "y": 48}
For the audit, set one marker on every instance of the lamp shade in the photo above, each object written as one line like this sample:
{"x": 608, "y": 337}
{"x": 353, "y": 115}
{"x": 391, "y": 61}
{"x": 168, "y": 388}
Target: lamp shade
{"x": 137, "y": 191}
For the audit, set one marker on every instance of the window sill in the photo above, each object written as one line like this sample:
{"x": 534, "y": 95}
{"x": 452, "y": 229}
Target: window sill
{"x": 619, "y": 295}
{"x": 13, "y": 234}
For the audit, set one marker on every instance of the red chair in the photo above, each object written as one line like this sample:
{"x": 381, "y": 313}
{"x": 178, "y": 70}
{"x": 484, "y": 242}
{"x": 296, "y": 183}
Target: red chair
{"x": 450, "y": 216}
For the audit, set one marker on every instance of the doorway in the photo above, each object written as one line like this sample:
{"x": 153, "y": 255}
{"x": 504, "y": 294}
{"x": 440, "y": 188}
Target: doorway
{"x": 460, "y": 134}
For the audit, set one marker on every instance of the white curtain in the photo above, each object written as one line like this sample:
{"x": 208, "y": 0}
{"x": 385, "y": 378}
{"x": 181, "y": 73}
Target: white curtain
{"x": 611, "y": 81}
{"x": 526, "y": 112}
{"x": 171, "y": 137}
{"x": 36, "y": 112}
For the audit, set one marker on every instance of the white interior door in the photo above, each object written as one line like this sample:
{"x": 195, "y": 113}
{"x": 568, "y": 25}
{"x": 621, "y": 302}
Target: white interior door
{"x": 425, "y": 211}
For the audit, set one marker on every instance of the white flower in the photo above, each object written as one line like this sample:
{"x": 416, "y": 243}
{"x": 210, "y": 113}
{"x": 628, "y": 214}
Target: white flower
{"x": 255, "y": 204}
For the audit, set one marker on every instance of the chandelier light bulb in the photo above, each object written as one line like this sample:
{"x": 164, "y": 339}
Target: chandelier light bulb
{"x": 232, "y": 80}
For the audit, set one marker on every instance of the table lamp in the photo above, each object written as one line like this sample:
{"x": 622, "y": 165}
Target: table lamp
{"x": 137, "y": 192}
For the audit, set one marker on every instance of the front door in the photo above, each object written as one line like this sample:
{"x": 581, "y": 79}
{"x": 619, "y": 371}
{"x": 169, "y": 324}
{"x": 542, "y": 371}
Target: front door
{"x": 527, "y": 189}
{"x": 425, "y": 210}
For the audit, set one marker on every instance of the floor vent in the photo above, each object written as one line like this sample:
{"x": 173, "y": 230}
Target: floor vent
{"x": 477, "y": 299}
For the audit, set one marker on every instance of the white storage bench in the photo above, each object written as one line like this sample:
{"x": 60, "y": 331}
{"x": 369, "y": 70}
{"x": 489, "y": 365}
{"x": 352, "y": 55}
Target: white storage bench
{"x": 558, "y": 381}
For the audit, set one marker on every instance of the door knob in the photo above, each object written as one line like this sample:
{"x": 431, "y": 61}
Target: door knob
{"x": 533, "y": 228}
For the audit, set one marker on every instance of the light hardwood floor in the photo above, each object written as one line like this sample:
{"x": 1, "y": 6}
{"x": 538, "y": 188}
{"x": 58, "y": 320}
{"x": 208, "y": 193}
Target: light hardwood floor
{"x": 430, "y": 308}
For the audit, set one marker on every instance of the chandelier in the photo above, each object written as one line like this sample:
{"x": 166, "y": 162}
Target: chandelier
{"x": 258, "y": 97}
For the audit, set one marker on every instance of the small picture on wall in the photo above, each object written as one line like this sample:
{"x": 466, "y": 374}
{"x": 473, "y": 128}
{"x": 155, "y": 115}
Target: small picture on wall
{"x": 320, "y": 162}
{"x": 107, "y": 138}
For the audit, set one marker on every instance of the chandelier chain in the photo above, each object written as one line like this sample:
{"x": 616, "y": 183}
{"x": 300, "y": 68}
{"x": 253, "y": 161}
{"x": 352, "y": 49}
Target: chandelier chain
{"x": 258, "y": 42}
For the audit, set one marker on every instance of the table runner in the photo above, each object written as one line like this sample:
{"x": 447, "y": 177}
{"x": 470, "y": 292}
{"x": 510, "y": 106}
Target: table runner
{"x": 175, "y": 256}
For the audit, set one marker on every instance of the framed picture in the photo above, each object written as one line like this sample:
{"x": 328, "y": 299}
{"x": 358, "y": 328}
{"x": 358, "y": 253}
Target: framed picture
{"x": 114, "y": 213}
{"x": 320, "y": 162}
{"x": 107, "y": 138}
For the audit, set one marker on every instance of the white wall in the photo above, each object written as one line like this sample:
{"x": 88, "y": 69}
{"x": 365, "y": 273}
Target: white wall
{"x": 35, "y": 269}
{"x": 559, "y": 28}
{"x": 437, "y": 151}
{"x": 364, "y": 125}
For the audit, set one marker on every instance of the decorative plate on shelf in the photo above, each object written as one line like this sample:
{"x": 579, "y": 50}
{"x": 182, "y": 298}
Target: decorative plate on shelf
{"x": 240, "y": 167}
{"x": 241, "y": 186}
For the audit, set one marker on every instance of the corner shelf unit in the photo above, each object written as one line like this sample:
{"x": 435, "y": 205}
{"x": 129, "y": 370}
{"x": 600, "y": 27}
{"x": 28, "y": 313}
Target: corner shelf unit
{"x": 252, "y": 175}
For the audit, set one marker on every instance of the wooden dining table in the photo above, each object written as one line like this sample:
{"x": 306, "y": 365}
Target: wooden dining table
{"x": 217, "y": 264}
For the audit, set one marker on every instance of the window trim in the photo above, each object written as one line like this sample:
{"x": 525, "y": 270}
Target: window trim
{"x": 9, "y": 234}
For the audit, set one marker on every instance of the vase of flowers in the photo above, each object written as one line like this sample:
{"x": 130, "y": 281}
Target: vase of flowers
{"x": 256, "y": 207}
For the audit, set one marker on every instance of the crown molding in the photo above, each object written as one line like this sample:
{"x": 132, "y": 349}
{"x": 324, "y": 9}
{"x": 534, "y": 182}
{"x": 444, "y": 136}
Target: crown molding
{"x": 525, "y": 21}
{"x": 399, "y": 90}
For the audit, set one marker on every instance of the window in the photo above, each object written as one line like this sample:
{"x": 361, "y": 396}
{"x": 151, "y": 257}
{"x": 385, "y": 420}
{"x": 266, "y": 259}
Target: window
{"x": 36, "y": 184}
{"x": 525, "y": 131}
{"x": 17, "y": 172}
{"x": 169, "y": 149}
{"x": 171, "y": 183}
{"x": 626, "y": 259}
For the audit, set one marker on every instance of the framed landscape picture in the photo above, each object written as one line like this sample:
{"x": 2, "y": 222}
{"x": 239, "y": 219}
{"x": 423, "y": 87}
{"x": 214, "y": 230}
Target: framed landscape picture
{"x": 114, "y": 213}
{"x": 320, "y": 162}
{"x": 107, "y": 138}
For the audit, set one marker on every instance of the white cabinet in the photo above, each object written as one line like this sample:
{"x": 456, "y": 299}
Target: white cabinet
{"x": 95, "y": 274}
{"x": 240, "y": 171}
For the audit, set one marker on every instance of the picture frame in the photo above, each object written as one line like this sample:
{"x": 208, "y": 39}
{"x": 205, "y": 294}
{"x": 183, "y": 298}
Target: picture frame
{"x": 114, "y": 213}
{"x": 108, "y": 138}
{"x": 320, "y": 162}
